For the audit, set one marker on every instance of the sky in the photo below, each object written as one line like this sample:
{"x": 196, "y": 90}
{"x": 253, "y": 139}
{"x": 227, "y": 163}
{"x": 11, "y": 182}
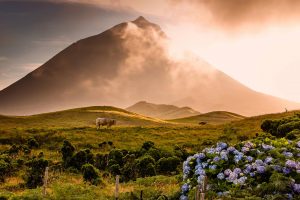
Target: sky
{"x": 255, "y": 42}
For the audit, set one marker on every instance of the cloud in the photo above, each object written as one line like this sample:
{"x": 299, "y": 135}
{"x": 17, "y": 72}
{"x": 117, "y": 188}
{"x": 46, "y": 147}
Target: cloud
{"x": 238, "y": 14}
{"x": 3, "y": 58}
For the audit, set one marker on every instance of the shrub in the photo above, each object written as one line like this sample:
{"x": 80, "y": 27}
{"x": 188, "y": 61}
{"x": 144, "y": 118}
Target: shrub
{"x": 116, "y": 155}
{"x": 294, "y": 134}
{"x": 166, "y": 165}
{"x": 154, "y": 153}
{"x": 67, "y": 151}
{"x": 90, "y": 174}
{"x": 145, "y": 166}
{"x": 4, "y": 169}
{"x": 286, "y": 128}
{"x": 115, "y": 169}
{"x": 147, "y": 145}
{"x": 101, "y": 161}
{"x": 36, "y": 172}
{"x": 82, "y": 157}
{"x": 32, "y": 143}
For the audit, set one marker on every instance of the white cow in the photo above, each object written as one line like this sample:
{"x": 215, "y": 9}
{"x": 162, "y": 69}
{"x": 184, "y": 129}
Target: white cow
{"x": 105, "y": 122}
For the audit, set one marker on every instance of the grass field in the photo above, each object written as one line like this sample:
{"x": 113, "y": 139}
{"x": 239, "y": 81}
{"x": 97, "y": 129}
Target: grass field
{"x": 132, "y": 130}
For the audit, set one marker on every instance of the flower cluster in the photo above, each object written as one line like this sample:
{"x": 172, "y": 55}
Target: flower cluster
{"x": 243, "y": 164}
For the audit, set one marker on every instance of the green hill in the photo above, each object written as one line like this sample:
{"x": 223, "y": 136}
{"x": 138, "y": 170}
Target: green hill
{"x": 216, "y": 117}
{"x": 162, "y": 111}
{"x": 78, "y": 117}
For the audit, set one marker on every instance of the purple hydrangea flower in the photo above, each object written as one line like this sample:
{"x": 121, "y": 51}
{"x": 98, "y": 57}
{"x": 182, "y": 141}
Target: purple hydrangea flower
{"x": 277, "y": 168}
{"x": 298, "y": 144}
{"x": 245, "y": 149}
{"x": 252, "y": 174}
{"x": 241, "y": 181}
{"x": 200, "y": 179}
{"x": 232, "y": 177}
{"x": 249, "y": 145}
{"x": 227, "y": 172}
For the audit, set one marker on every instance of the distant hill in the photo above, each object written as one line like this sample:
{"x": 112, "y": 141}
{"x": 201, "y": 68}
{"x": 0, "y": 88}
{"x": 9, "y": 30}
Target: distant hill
{"x": 78, "y": 117}
{"x": 162, "y": 111}
{"x": 217, "y": 117}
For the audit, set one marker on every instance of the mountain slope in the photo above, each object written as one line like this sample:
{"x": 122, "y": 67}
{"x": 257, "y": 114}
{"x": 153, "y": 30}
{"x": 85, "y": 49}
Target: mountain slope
{"x": 125, "y": 64}
{"x": 161, "y": 111}
{"x": 216, "y": 117}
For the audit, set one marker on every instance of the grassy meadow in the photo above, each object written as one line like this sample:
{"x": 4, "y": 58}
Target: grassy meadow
{"x": 77, "y": 126}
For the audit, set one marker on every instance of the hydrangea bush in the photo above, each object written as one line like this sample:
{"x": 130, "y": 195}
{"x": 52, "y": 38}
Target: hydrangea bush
{"x": 259, "y": 167}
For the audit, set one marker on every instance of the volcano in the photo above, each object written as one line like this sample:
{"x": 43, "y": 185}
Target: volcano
{"x": 125, "y": 64}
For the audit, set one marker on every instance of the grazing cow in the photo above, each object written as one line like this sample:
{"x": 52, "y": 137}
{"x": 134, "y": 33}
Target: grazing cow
{"x": 105, "y": 122}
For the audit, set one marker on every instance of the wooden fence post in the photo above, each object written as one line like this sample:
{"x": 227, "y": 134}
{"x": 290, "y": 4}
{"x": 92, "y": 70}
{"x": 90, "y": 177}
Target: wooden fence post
{"x": 117, "y": 188}
{"x": 45, "y": 181}
{"x": 141, "y": 195}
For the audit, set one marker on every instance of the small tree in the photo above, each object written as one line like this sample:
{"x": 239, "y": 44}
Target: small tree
{"x": 167, "y": 165}
{"x": 145, "y": 166}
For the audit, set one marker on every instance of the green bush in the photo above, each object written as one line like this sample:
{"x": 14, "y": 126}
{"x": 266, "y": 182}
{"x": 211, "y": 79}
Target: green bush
{"x": 286, "y": 128}
{"x": 101, "y": 161}
{"x": 294, "y": 134}
{"x": 32, "y": 143}
{"x": 82, "y": 157}
{"x": 167, "y": 165}
{"x": 36, "y": 171}
{"x": 145, "y": 166}
{"x": 147, "y": 145}
{"x": 4, "y": 169}
{"x": 154, "y": 153}
{"x": 117, "y": 156}
{"x": 67, "y": 151}
{"x": 90, "y": 174}
{"x": 115, "y": 169}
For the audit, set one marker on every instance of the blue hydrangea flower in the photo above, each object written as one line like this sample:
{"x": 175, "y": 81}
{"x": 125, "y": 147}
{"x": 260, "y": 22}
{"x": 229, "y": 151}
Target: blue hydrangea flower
{"x": 267, "y": 147}
{"x": 222, "y": 145}
{"x": 185, "y": 188}
{"x": 230, "y": 149}
{"x": 213, "y": 167}
{"x": 216, "y": 159}
{"x": 249, "y": 158}
{"x": 224, "y": 156}
{"x": 184, "y": 197}
{"x": 259, "y": 162}
{"x": 204, "y": 164}
{"x": 221, "y": 176}
{"x": 261, "y": 169}
{"x": 268, "y": 160}
{"x": 200, "y": 179}
{"x": 237, "y": 171}
{"x": 277, "y": 167}
{"x": 291, "y": 164}
{"x": 252, "y": 174}
{"x": 286, "y": 170}
{"x": 242, "y": 180}
{"x": 287, "y": 154}
{"x": 296, "y": 188}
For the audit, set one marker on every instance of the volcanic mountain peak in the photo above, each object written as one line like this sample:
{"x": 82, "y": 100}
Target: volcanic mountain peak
{"x": 127, "y": 63}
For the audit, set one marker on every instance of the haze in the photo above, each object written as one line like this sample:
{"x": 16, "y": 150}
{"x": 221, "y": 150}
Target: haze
{"x": 255, "y": 43}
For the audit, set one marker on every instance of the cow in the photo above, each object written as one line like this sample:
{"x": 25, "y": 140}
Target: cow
{"x": 105, "y": 122}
